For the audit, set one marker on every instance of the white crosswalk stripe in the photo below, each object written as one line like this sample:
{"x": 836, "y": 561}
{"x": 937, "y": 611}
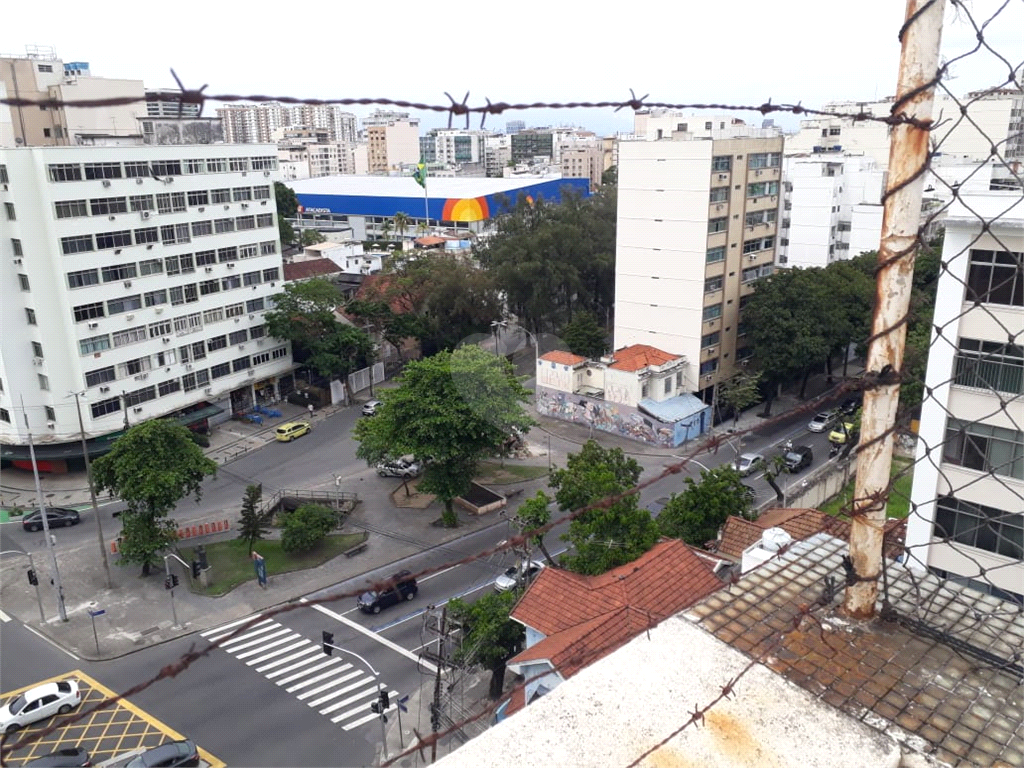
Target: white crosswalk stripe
{"x": 333, "y": 686}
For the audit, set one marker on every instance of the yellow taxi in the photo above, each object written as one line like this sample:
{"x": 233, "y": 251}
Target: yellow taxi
{"x": 293, "y": 429}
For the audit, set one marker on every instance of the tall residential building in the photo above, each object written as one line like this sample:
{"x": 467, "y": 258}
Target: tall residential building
{"x": 994, "y": 117}
{"x": 497, "y": 154}
{"x": 696, "y": 228}
{"x": 454, "y": 147}
{"x": 393, "y": 144}
{"x": 583, "y": 162}
{"x": 41, "y": 76}
{"x": 257, "y": 123}
{"x": 140, "y": 275}
{"x": 166, "y": 102}
{"x": 832, "y": 209}
{"x": 658, "y": 124}
{"x": 967, "y": 522}
{"x": 527, "y": 145}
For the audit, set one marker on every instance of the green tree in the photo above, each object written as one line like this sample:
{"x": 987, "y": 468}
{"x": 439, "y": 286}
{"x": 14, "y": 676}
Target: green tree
{"x": 696, "y": 514}
{"x": 287, "y": 202}
{"x": 454, "y": 407}
{"x": 151, "y": 468}
{"x": 393, "y": 326}
{"x": 607, "y": 536}
{"x": 311, "y": 237}
{"x": 306, "y": 527}
{"x": 585, "y": 337}
{"x": 253, "y": 524}
{"x": 490, "y": 638}
{"x": 610, "y": 176}
{"x": 402, "y": 222}
{"x": 285, "y": 231}
{"x": 532, "y": 514}
{"x": 386, "y": 229}
{"x": 738, "y": 392}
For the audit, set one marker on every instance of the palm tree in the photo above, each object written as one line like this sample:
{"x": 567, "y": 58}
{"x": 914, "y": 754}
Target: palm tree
{"x": 422, "y": 228}
{"x": 385, "y": 230}
{"x": 402, "y": 221}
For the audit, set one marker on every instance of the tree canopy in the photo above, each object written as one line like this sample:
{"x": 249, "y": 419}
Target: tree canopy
{"x": 287, "y": 208}
{"x": 606, "y": 536}
{"x": 453, "y": 408}
{"x": 490, "y": 638}
{"x": 585, "y": 337}
{"x": 696, "y": 514}
{"x": 311, "y": 237}
{"x": 151, "y": 468}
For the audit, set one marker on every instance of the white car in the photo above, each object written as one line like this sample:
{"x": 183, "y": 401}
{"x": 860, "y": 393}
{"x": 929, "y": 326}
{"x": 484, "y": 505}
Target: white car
{"x": 747, "y": 463}
{"x": 404, "y": 467}
{"x": 39, "y": 703}
{"x": 516, "y": 575}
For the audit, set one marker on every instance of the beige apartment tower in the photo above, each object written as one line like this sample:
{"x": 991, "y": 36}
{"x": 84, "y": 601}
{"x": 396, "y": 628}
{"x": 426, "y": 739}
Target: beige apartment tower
{"x": 697, "y": 222}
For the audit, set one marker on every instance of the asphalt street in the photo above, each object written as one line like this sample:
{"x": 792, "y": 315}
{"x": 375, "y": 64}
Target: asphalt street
{"x": 273, "y": 679}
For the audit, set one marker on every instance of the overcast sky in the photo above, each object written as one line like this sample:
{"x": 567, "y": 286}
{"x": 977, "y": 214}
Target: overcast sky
{"x": 725, "y": 51}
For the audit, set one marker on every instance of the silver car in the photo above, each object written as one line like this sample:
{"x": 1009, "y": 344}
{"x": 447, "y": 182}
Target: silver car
{"x": 404, "y": 467}
{"x": 370, "y": 407}
{"x": 747, "y": 463}
{"x": 822, "y": 421}
{"x": 39, "y": 703}
{"x": 516, "y": 575}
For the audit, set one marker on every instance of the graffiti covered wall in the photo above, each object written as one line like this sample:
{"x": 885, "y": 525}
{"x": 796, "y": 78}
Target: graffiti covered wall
{"x": 617, "y": 419}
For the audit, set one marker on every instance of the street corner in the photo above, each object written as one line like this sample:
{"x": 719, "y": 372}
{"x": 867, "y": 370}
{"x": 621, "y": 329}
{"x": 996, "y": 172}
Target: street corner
{"x": 109, "y": 729}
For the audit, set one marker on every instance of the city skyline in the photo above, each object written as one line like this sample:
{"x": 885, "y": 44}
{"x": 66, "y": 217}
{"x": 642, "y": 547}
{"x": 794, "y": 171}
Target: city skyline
{"x": 802, "y": 58}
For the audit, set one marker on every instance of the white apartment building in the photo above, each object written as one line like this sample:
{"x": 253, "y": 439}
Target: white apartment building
{"x": 658, "y": 124}
{"x": 995, "y": 117}
{"x": 454, "y": 147}
{"x": 393, "y": 144}
{"x": 696, "y": 228}
{"x": 831, "y": 209}
{"x": 967, "y": 520}
{"x": 139, "y": 275}
{"x": 497, "y": 154}
{"x": 257, "y": 123}
{"x": 165, "y": 102}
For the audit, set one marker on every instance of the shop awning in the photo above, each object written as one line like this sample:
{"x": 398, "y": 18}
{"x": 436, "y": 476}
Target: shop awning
{"x": 197, "y": 415}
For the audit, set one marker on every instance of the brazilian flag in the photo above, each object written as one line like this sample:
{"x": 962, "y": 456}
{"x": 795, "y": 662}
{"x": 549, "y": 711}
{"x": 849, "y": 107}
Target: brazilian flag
{"x": 421, "y": 174}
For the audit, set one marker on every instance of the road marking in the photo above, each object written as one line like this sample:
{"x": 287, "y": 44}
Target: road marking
{"x": 216, "y": 634}
{"x": 314, "y": 679}
{"x": 372, "y": 716}
{"x": 41, "y": 636}
{"x": 217, "y": 630}
{"x": 307, "y": 670}
{"x": 420, "y": 612}
{"x": 292, "y": 637}
{"x": 326, "y": 686}
{"x": 247, "y": 641}
{"x": 370, "y": 633}
{"x": 371, "y": 691}
{"x": 4, "y": 616}
{"x": 305, "y": 652}
{"x": 278, "y": 652}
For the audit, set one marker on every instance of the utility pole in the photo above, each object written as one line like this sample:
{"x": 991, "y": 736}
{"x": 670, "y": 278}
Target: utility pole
{"x": 42, "y": 512}
{"x": 435, "y": 707}
{"x": 92, "y": 491}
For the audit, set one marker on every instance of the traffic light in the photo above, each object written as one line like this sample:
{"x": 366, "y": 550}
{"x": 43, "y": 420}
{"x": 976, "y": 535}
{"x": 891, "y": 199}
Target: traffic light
{"x": 375, "y": 707}
{"x": 385, "y": 701}
{"x": 328, "y": 642}
{"x": 196, "y": 569}
{"x": 170, "y": 581}
{"x": 32, "y": 578}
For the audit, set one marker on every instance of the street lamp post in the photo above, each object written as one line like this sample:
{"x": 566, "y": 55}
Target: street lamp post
{"x": 92, "y": 490}
{"x": 42, "y": 513}
{"x": 495, "y": 325}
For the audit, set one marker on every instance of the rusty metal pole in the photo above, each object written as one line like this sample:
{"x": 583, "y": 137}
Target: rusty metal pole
{"x": 908, "y": 156}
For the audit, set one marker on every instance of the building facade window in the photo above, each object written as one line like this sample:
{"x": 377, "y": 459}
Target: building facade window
{"x": 9, "y": 212}
{"x": 76, "y": 244}
{"x": 65, "y": 172}
{"x": 23, "y": 282}
{"x": 105, "y": 407}
{"x": 715, "y": 255}
{"x": 94, "y": 344}
{"x": 985, "y": 448}
{"x": 713, "y": 312}
{"x": 30, "y": 316}
{"x": 710, "y": 339}
{"x": 721, "y": 163}
{"x": 990, "y": 365}
{"x": 718, "y": 225}
{"x": 71, "y": 209}
{"x": 996, "y": 277}
{"x": 980, "y": 526}
{"x": 713, "y": 284}
{"x": 102, "y": 170}
{"x": 102, "y": 206}
{"x": 719, "y": 194}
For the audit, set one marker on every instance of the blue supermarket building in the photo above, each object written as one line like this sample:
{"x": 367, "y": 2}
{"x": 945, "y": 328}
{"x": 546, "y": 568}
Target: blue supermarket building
{"x": 364, "y": 203}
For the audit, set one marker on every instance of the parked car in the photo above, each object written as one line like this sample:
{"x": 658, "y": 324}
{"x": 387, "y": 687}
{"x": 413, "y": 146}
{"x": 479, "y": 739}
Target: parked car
{"x": 822, "y": 421}
{"x": 851, "y": 404}
{"x": 657, "y": 505}
{"x": 750, "y": 493}
{"x": 843, "y": 432}
{"x": 39, "y": 703}
{"x": 405, "y": 589}
{"x": 168, "y": 755}
{"x": 404, "y": 467}
{"x": 748, "y": 463}
{"x": 293, "y": 429}
{"x": 517, "y": 574}
{"x": 56, "y": 517}
{"x": 799, "y": 457}
{"x": 370, "y": 407}
{"x": 66, "y": 757}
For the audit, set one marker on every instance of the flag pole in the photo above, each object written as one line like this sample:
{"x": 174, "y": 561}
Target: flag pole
{"x": 426, "y": 205}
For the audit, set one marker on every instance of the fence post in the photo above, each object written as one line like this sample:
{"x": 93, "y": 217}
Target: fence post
{"x": 908, "y": 159}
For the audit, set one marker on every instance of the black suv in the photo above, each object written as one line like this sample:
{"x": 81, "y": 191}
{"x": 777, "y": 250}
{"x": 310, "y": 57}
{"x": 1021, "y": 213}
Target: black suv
{"x": 405, "y": 589}
{"x": 798, "y": 458}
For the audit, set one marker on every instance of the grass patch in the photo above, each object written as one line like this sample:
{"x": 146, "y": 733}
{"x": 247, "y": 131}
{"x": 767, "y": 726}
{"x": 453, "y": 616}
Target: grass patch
{"x": 231, "y": 565}
{"x": 901, "y": 473}
{"x": 492, "y": 473}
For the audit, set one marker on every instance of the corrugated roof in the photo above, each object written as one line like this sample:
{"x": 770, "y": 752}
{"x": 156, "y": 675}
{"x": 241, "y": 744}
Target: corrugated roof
{"x": 302, "y": 270}
{"x": 675, "y": 408}
{"x": 561, "y": 357}
{"x": 640, "y": 356}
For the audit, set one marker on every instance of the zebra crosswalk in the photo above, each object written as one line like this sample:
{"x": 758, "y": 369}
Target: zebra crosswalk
{"x": 335, "y": 688}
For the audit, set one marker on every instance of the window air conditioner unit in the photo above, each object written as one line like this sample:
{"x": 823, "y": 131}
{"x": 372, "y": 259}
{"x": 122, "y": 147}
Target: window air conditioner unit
{"x": 138, "y": 181}
{"x": 167, "y": 339}
{"x": 127, "y": 283}
{"x": 251, "y": 315}
{"x": 241, "y": 346}
{"x": 145, "y": 214}
{"x": 723, "y": 176}
{"x": 251, "y": 373}
{"x": 209, "y": 269}
{"x": 226, "y": 207}
{"x": 104, "y": 389}
{"x": 245, "y": 205}
{"x": 758, "y": 173}
{"x": 129, "y": 317}
{"x": 711, "y": 350}
{"x": 37, "y": 361}
{"x": 17, "y": 261}
{"x": 159, "y": 310}
{"x": 142, "y": 377}
{"x": 51, "y": 424}
{"x": 263, "y": 202}
{"x": 231, "y": 265}
{"x": 201, "y": 208}
{"x": 137, "y": 409}
{"x": 208, "y": 391}
{"x": 94, "y": 325}
{"x": 266, "y": 173}
{"x": 111, "y": 217}
{"x": 188, "y": 366}
{"x": 259, "y": 342}
{"x": 168, "y": 179}
{"x": 106, "y": 182}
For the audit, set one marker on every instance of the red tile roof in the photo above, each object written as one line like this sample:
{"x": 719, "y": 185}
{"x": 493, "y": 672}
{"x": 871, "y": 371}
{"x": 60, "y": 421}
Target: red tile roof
{"x": 640, "y": 356}
{"x": 586, "y": 617}
{"x": 562, "y": 358}
{"x": 430, "y": 240}
{"x": 303, "y": 270}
